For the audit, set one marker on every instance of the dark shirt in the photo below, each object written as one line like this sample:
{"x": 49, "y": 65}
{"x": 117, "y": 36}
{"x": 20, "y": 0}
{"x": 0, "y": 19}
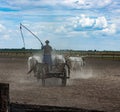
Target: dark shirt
{"x": 47, "y": 49}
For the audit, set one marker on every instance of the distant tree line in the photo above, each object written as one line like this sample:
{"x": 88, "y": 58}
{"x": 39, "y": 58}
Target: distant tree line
{"x": 89, "y": 53}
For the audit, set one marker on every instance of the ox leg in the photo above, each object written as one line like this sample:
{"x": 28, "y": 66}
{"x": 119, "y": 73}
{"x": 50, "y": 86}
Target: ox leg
{"x": 43, "y": 82}
{"x": 43, "y": 75}
{"x": 64, "y": 81}
{"x": 64, "y": 78}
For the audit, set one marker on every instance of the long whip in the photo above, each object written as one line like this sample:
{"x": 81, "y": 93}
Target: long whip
{"x": 21, "y": 25}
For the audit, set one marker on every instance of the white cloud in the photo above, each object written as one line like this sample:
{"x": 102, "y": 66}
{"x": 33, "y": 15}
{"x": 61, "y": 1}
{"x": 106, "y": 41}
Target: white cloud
{"x": 2, "y": 28}
{"x": 82, "y": 4}
{"x": 104, "y": 2}
{"x": 6, "y": 37}
{"x": 60, "y": 29}
{"x": 101, "y": 22}
{"x": 77, "y": 4}
{"x": 6, "y": 33}
{"x": 85, "y": 23}
{"x": 99, "y": 3}
{"x": 111, "y": 29}
{"x": 73, "y": 3}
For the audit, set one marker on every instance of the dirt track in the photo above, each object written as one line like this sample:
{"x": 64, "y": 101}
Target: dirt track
{"x": 97, "y": 86}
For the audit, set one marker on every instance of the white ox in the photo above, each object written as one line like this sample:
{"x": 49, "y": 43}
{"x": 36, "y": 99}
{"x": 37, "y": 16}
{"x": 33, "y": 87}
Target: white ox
{"x": 56, "y": 59}
{"x": 75, "y": 63}
{"x": 34, "y": 60}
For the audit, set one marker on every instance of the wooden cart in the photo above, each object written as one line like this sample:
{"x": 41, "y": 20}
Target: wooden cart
{"x": 43, "y": 71}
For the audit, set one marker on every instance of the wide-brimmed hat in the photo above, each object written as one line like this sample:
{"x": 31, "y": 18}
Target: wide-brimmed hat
{"x": 47, "y": 41}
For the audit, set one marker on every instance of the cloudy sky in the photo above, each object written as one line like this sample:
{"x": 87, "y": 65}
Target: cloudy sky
{"x": 68, "y": 24}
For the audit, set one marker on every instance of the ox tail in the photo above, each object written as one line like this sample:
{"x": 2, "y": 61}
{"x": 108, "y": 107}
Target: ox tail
{"x": 31, "y": 69}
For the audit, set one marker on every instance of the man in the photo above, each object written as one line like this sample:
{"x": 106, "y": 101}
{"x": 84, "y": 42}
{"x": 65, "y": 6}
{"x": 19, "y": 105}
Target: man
{"x": 47, "y": 50}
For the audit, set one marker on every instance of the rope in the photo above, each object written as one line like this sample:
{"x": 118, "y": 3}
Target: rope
{"x": 22, "y": 36}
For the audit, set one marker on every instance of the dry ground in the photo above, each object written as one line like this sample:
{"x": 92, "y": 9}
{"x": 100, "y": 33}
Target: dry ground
{"x": 97, "y": 86}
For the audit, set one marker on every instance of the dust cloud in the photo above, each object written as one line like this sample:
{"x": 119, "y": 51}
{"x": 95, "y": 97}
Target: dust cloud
{"x": 82, "y": 74}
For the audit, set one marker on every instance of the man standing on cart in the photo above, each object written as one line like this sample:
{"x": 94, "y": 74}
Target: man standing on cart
{"x": 47, "y": 51}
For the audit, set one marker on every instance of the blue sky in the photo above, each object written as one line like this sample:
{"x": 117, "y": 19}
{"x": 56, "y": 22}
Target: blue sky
{"x": 68, "y": 24}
